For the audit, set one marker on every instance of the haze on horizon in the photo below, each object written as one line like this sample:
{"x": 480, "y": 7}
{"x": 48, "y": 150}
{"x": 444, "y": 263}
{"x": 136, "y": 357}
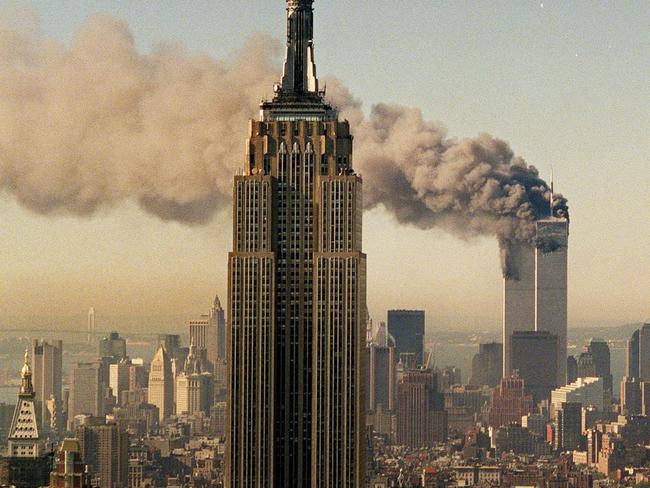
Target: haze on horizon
{"x": 565, "y": 85}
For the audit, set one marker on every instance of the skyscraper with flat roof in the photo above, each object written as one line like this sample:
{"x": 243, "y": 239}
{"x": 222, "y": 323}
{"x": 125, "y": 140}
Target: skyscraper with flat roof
{"x": 105, "y": 450}
{"x": 421, "y": 419}
{"x": 487, "y": 365}
{"x": 297, "y": 293}
{"x": 531, "y": 351}
{"x": 87, "y": 391}
{"x": 535, "y": 297}
{"x": 47, "y": 371}
{"x": 632, "y": 358}
{"x": 644, "y": 352}
{"x": 518, "y": 298}
{"x": 569, "y": 427}
{"x": 407, "y": 328}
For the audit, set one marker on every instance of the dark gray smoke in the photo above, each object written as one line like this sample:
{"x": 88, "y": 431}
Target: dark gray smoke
{"x": 470, "y": 187}
{"x": 96, "y": 124}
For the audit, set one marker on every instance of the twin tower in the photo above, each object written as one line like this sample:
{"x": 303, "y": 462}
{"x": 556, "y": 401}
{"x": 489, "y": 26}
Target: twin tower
{"x": 535, "y": 301}
{"x": 297, "y": 290}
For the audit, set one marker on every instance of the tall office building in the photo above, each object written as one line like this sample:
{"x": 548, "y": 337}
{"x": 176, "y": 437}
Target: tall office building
{"x": 193, "y": 387}
{"x": 568, "y": 435}
{"x": 24, "y": 433}
{"x": 297, "y": 297}
{"x": 47, "y": 367}
{"x": 26, "y": 462}
{"x": 218, "y": 317}
{"x": 112, "y": 346}
{"x": 536, "y": 298}
{"x": 632, "y": 358}
{"x": 531, "y": 351}
{"x": 631, "y": 400}
{"x": 551, "y": 256}
{"x": 601, "y": 356}
{"x": 421, "y": 419}
{"x": 644, "y": 352}
{"x": 208, "y": 334}
{"x": 407, "y": 328}
{"x": 487, "y": 365}
{"x": 381, "y": 391}
{"x": 518, "y": 299}
{"x": 119, "y": 378}
{"x": 161, "y": 383}
{"x": 586, "y": 366}
{"x": 87, "y": 391}
{"x": 509, "y": 402}
{"x": 571, "y": 369}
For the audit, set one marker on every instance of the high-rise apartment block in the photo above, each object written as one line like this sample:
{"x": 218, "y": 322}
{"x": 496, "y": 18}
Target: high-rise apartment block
{"x": 105, "y": 449}
{"x": 535, "y": 298}
{"x": 47, "y": 370}
{"x": 297, "y": 293}
{"x": 407, "y": 328}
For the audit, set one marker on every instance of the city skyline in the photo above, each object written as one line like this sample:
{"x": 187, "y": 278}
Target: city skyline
{"x": 70, "y": 253}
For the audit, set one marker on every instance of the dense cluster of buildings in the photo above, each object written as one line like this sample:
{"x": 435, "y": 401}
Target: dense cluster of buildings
{"x": 120, "y": 421}
{"x": 300, "y": 390}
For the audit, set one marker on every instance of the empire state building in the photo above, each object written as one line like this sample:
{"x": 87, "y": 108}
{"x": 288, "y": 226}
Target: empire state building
{"x": 297, "y": 290}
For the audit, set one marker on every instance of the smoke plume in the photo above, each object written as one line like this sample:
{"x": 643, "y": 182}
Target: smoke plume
{"x": 96, "y": 124}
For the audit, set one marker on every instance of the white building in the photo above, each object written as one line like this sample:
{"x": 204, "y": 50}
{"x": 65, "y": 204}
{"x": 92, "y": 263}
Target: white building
{"x": 587, "y": 391}
{"x": 161, "y": 384}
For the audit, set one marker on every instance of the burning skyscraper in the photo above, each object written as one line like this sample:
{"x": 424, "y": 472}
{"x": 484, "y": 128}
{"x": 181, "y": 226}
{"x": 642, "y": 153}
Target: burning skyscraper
{"x": 535, "y": 298}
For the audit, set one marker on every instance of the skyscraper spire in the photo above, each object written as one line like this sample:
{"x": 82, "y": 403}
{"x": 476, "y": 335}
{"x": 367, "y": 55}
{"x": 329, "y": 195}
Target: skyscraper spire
{"x": 299, "y": 76}
{"x": 26, "y": 387}
{"x": 297, "y": 96}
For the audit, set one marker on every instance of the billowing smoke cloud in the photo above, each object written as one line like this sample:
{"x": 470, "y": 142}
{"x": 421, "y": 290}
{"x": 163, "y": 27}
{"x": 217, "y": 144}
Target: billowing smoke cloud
{"x": 470, "y": 187}
{"x": 97, "y": 123}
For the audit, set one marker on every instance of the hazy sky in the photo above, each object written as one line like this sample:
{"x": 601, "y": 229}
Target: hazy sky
{"x": 566, "y": 83}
